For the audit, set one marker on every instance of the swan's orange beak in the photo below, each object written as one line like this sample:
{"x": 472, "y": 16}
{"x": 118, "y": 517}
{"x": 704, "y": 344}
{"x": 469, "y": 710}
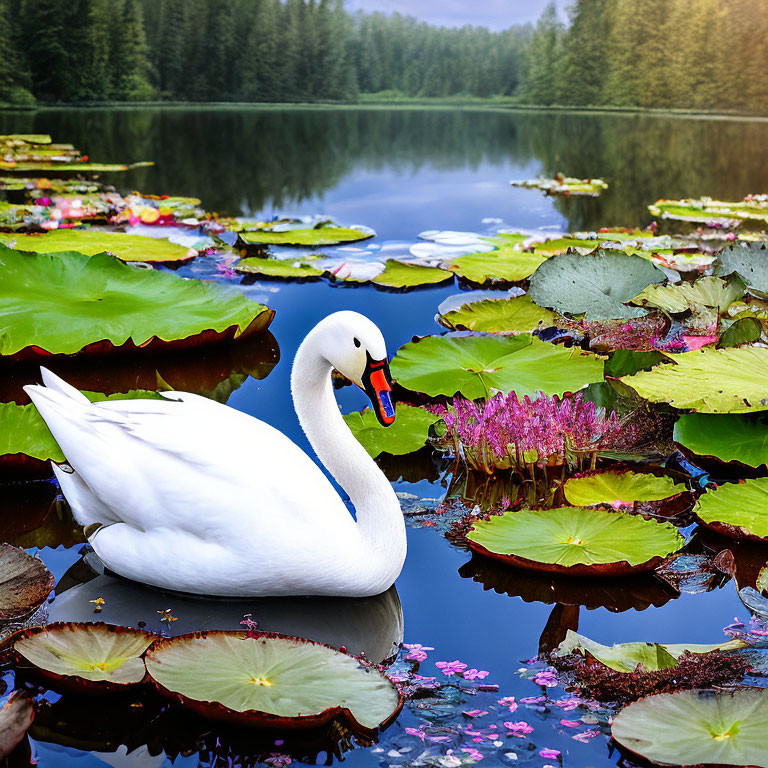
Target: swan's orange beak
{"x": 377, "y": 384}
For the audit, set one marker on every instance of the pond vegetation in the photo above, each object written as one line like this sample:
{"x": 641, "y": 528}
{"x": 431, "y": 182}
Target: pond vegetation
{"x": 590, "y": 425}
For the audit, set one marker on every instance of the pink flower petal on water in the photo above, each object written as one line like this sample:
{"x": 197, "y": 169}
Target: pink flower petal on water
{"x": 549, "y": 754}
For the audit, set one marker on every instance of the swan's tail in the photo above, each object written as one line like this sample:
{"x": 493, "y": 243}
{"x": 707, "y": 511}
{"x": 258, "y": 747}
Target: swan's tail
{"x": 59, "y": 404}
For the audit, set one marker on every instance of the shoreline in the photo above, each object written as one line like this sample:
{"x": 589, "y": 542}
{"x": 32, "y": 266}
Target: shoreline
{"x": 371, "y": 103}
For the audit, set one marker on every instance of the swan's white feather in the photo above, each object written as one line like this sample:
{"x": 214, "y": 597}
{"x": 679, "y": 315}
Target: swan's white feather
{"x": 213, "y": 487}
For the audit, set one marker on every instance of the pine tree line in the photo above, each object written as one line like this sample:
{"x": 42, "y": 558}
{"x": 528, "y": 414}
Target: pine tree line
{"x": 699, "y": 54}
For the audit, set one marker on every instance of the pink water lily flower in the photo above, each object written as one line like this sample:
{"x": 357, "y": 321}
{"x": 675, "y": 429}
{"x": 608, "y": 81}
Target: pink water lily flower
{"x": 475, "y": 674}
{"x": 520, "y": 728}
{"x": 547, "y": 677}
{"x": 449, "y": 668}
{"x": 549, "y": 754}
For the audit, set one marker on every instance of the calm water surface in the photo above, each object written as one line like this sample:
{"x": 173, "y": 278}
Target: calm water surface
{"x": 402, "y": 172}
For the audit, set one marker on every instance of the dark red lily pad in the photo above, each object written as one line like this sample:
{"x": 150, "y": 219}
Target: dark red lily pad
{"x": 25, "y": 583}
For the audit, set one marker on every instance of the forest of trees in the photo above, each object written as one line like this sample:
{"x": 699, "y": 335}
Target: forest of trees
{"x": 696, "y": 54}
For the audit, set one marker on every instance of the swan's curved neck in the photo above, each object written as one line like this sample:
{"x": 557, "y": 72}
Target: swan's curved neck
{"x": 379, "y": 517}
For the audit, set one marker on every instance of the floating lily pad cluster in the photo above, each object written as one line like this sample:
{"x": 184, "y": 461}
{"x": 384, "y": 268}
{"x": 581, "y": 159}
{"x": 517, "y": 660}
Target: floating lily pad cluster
{"x": 260, "y": 679}
{"x": 713, "y": 213}
{"x": 565, "y": 185}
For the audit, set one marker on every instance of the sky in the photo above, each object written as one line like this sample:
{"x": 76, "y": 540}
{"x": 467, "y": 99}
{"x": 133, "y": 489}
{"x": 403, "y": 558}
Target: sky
{"x": 494, "y": 14}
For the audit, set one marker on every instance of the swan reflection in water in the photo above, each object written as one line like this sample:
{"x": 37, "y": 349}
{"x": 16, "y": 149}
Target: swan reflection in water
{"x": 370, "y": 625}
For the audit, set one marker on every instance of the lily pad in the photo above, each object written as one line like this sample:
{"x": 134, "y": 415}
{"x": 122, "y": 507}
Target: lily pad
{"x": 565, "y": 185}
{"x": 697, "y": 728}
{"x": 285, "y": 268}
{"x": 726, "y": 436}
{"x": 739, "y": 510}
{"x": 705, "y": 210}
{"x": 272, "y": 679}
{"x": 575, "y": 540}
{"x": 508, "y": 263}
{"x": 398, "y": 274}
{"x": 25, "y": 583}
{"x": 86, "y": 656}
{"x": 610, "y": 487}
{"x": 408, "y": 433}
{"x": 733, "y": 380}
{"x": 596, "y": 285}
{"x": 305, "y": 237}
{"x": 748, "y": 260}
{"x": 477, "y": 366}
{"x": 69, "y": 302}
{"x": 704, "y": 292}
{"x": 49, "y": 167}
{"x": 515, "y": 315}
{"x": 91, "y": 242}
{"x": 624, "y": 657}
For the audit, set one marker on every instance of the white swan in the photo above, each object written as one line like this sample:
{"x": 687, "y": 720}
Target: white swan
{"x": 194, "y": 496}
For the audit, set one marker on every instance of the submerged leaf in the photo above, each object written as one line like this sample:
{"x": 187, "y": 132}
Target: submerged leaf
{"x": 408, "y": 433}
{"x": 271, "y": 679}
{"x": 697, "y": 728}
{"x": 597, "y": 285}
{"x": 609, "y": 487}
{"x": 568, "y": 537}
{"x": 478, "y": 366}
{"x": 733, "y": 380}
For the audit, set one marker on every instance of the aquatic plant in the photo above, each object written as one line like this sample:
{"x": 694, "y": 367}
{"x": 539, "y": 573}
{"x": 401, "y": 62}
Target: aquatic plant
{"x": 508, "y": 316}
{"x": 85, "y": 656}
{"x": 727, "y": 436}
{"x": 699, "y": 727}
{"x": 69, "y": 303}
{"x": 564, "y": 185}
{"x": 575, "y": 541}
{"x": 25, "y": 583}
{"x": 272, "y": 680}
{"x": 737, "y": 509}
{"x": 713, "y": 213}
{"x": 523, "y": 434}
{"x": 409, "y": 432}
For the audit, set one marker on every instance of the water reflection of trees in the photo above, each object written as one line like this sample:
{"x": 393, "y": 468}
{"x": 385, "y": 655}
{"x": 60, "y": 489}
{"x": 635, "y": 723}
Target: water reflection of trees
{"x": 240, "y": 160}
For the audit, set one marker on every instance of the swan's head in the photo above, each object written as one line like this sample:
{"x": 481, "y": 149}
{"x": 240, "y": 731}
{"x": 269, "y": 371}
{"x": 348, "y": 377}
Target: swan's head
{"x": 355, "y": 347}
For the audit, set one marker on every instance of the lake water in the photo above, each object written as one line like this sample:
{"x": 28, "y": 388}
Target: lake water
{"x": 402, "y": 172}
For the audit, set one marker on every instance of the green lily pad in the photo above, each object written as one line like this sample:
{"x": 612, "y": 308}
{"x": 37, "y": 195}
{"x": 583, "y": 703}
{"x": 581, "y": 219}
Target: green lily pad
{"x": 706, "y": 210}
{"x": 515, "y": 315}
{"x": 565, "y": 185}
{"x": 624, "y": 657}
{"x": 286, "y": 268}
{"x": 726, "y": 436}
{"x": 508, "y": 263}
{"x": 87, "y": 656}
{"x": 746, "y": 330}
{"x": 271, "y": 679}
{"x": 25, "y": 138}
{"x": 697, "y": 728}
{"x": 733, "y": 380}
{"x": 66, "y": 302}
{"x": 477, "y": 366}
{"x": 562, "y": 244}
{"x": 398, "y": 274}
{"x": 704, "y": 292}
{"x": 608, "y": 487}
{"x": 737, "y": 509}
{"x": 305, "y": 237}
{"x": 748, "y": 260}
{"x": 576, "y": 540}
{"x": 596, "y": 285}
{"x": 91, "y": 242}
{"x": 47, "y": 167}
{"x": 408, "y": 433}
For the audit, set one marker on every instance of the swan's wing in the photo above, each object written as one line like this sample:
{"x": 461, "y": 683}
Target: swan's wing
{"x": 184, "y": 463}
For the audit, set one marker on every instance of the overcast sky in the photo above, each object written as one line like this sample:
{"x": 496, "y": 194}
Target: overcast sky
{"x": 494, "y": 14}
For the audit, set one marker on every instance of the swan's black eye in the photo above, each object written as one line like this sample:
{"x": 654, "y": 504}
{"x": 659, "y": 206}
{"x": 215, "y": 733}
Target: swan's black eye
{"x": 357, "y": 342}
